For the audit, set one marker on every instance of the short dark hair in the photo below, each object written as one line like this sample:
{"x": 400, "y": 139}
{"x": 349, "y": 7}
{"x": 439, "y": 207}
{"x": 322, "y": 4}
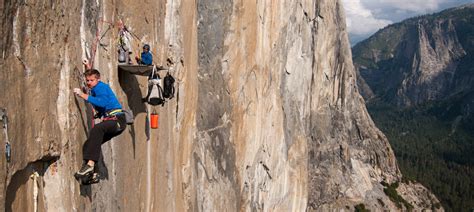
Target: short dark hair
{"x": 90, "y": 72}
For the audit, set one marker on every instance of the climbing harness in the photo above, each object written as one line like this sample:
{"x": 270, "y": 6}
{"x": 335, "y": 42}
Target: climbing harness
{"x": 4, "y": 120}
{"x": 113, "y": 112}
{"x": 113, "y": 118}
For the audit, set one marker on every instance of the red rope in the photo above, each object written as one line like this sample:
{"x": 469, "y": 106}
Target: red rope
{"x": 97, "y": 39}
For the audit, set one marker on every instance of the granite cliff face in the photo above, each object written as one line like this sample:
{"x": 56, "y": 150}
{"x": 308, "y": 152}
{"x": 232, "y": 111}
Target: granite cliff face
{"x": 422, "y": 59}
{"x": 267, "y": 114}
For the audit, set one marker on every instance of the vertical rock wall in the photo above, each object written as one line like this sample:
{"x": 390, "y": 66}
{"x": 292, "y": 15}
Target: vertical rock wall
{"x": 266, "y": 114}
{"x": 37, "y": 73}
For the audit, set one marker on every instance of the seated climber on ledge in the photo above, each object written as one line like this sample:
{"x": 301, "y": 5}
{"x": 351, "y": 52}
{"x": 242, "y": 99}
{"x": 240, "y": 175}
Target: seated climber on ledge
{"x": 113, "y": 119}
{"x": 146, "y": 57}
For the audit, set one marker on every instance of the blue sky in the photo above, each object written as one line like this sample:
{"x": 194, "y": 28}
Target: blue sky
{"x": 365, "y": 17}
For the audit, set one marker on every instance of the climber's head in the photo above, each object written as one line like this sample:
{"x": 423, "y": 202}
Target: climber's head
{"x": 146, "y": 47}
{"x": 92, "y": 77}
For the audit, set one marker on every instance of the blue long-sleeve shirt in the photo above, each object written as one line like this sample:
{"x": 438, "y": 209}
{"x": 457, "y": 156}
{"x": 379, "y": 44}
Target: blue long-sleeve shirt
{"x": 147, "y": 58}
{"x": 103, "y": 98}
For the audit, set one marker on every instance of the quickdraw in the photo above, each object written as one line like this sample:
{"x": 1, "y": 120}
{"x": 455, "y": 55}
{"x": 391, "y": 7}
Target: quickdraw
{"x": 99, "y": 36}
{"x": 4, "y": 120}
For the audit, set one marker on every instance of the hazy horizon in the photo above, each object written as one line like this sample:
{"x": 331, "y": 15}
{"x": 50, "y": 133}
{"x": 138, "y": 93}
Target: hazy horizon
{"x": 365, "y": 17}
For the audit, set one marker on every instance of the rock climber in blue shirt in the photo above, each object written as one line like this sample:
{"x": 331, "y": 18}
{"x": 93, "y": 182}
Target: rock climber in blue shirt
{"x": 146, "y": 57}
{"x": 113, "y": 120}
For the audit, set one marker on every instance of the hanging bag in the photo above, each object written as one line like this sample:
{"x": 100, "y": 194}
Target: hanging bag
{"x": 168, "y": 91}
{"x": 128, "y": 116}
{"x": 155, "y": 92}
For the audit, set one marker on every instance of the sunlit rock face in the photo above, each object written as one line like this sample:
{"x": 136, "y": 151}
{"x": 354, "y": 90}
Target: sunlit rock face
{"x": 266, "y": 114}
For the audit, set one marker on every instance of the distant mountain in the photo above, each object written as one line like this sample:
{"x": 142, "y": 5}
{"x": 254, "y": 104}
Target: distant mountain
{"x": 417, "y": 78}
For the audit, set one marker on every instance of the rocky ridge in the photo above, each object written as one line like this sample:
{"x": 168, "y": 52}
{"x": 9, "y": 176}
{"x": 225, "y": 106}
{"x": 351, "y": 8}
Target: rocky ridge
{"x": 419, "y": 60}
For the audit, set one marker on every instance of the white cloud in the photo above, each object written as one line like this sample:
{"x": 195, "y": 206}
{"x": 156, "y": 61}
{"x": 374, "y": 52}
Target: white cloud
{"x": 417, "y": 6}
{"x": 360, "y": 20}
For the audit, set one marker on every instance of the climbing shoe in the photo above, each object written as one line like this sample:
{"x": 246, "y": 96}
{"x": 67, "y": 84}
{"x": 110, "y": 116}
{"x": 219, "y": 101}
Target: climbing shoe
{"x": 90, "y": 179}
{"x": 84, "y": 171}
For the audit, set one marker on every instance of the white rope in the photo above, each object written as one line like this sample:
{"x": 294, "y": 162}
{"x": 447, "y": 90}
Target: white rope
{"x": 148, "y": 163}
{"x": 35, "y": 176}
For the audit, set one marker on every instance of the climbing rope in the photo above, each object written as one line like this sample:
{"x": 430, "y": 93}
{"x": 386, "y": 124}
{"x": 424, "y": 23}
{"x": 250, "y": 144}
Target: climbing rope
{"x": 98, "y": 38}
